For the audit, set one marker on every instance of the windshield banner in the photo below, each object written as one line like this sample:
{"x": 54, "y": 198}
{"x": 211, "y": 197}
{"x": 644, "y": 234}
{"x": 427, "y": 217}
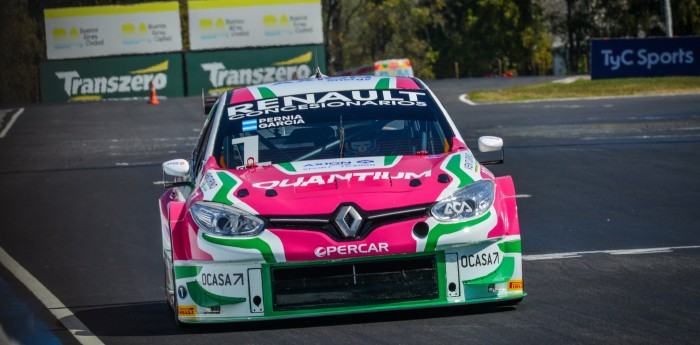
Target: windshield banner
{"x": 645, "y": 57}
{"x": 80, "y": 32}
{"x": 127, "y": 77}
{"x": 218, "y": 71}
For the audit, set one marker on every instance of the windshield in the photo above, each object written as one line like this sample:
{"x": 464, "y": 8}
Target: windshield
{"x": 332, "y": 125}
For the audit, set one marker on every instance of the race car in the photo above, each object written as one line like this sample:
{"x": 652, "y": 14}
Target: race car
{"x": 335, "y": 195}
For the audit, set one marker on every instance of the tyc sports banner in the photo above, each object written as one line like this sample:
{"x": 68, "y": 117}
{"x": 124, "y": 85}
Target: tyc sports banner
{"x": 645, "y": 57}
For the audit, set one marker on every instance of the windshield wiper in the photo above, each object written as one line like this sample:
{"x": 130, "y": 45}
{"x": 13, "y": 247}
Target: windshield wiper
{"x": 341, "y": 134}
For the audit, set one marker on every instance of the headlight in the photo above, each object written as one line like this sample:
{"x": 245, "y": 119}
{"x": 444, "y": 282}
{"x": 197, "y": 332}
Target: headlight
{"x": 223, "y": 220}
{"x": 468, "y": 202}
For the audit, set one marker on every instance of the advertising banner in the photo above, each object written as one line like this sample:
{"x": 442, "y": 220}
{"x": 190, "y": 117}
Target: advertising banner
{"x": 645, "y": 57}
{"x": 127, "y": 77}
{"x": 79, "y": 32}
{"x": 219, "y": 71}
{"x": 217, "y": 24}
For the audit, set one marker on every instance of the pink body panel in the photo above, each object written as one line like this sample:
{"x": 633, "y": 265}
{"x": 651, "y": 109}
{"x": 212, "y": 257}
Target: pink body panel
{"x": 506, "y": 208}
{"x": 370, "y": 189}
{"x": 299, "y": 245}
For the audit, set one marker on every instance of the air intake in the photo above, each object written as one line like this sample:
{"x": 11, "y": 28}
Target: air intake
{"x": 354, "y": 284}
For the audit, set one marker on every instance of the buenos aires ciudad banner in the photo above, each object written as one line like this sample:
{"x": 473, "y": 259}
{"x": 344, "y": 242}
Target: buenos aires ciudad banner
{"x": 217, "y": 24}
{"x": 80, "y": 32}
{"x": 219, "y": 71}
{"x": 126, "y": 77}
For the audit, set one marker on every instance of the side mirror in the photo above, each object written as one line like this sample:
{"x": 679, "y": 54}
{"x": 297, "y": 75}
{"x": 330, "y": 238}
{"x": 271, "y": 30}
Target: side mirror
{"x": 178, "y": 168}
{"x": 492, "y": 144}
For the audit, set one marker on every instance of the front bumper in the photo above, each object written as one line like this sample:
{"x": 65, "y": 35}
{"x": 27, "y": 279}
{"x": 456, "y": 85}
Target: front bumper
{"x": 224, "y": 291}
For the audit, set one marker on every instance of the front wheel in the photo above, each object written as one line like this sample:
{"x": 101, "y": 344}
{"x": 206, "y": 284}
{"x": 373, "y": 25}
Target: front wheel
{"x": 171, "y": 293}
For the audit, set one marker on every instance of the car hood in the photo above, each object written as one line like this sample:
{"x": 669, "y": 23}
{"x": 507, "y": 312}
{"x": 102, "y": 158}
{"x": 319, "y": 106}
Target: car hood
{"x": 320, "y": 186}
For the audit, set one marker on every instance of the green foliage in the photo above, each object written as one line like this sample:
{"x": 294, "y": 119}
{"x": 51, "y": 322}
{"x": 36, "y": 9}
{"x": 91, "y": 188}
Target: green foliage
{"x": 686, "y": 17}
{"x": 492, "y": 37}
{"x": 377, "y": 30}
{"x": 20, "y": 51}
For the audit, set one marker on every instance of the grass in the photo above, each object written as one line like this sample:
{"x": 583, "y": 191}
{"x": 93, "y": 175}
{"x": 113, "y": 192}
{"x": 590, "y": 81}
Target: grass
{"x": 583, "y": 88}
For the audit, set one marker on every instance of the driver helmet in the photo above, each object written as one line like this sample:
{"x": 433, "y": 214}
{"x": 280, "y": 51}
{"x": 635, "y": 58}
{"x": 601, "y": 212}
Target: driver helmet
{"x": 363, "y": 145}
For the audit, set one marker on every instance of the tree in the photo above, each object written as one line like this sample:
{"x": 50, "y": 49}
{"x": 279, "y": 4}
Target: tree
{"x": 492, "y": 36}
{"x": 361, "y": 32}
{"x": 20, "y": 52}
{"x": 686, "y": 17}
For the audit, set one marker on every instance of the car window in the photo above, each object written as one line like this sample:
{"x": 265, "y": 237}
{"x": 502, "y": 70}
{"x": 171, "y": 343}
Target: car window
{"x": 332, "y": 125}
{"x": 200, "y": 148}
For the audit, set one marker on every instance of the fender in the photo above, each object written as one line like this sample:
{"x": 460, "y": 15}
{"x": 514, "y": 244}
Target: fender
{"x": 506, "y": 198}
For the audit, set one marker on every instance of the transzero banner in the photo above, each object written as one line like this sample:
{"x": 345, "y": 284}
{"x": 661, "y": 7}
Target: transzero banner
{"x": 219, "y": 71}
{"x": 79, "y": 32}
{"x": 127, "y": 77}
{"x": 216, "y": 24}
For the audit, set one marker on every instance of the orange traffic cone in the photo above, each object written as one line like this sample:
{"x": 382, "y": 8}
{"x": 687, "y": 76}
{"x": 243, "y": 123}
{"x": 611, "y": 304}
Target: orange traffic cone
{"x": 154, "y": 98}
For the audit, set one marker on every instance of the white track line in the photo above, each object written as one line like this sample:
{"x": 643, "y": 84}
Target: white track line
{"x": 465, "y": 99}
{"x": 558, "y": 256}
{"x": 51, "y": 302}
{"x": 12, "y": 122}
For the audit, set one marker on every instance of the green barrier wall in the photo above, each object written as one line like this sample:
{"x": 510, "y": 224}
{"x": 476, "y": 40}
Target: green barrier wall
{"x": 112, "y": 78}
{"x": 218, "y": 71}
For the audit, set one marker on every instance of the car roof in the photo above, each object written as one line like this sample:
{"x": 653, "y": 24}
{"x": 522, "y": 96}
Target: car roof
{"x": 324, "y": 84}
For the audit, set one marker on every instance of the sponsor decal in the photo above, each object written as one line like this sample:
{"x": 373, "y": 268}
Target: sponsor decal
{"x": 135, "y": 81}
{"x": 221, "y": 279}
{"x": 469, "y": 162}
{"x": 213, "y": 310}
{"x": 327, "y": 100}
{"x": 187, "y": 310}
{"x": 515, "y": 285}
{"x": 182, "y": 292}
{"x": 249, "y": 125}
{"x": 352, "y": 249}
{"x": 174, "y": 163}
{"x": 279, "y": 121}
{"x": 331, "y": 178}
{"x": 459, "y": 207}
{"x": 209, "y": 182}
{"x": 481, "y": 259}
{"x": 362, "y": 163}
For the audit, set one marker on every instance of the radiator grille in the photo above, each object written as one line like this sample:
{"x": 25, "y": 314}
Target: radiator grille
{"x": 354, "y": 284}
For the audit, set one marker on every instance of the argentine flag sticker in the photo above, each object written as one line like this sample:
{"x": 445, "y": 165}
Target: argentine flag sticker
{"x": 250, "y": 125}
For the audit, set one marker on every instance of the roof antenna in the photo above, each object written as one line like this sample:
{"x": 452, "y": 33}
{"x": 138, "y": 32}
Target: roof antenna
{"x": 318, "y": 74}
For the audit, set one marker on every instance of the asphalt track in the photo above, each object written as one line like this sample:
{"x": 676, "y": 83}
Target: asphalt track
{"x": 608, "y": 208}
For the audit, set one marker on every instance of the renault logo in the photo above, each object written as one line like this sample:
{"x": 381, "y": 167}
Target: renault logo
{"x": 348, "y": 221}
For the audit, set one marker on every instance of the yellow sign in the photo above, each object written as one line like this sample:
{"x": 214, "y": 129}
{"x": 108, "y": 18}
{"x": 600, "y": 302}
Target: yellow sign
{"x": 515, "y": 285}
{"x": 187, "y": 310}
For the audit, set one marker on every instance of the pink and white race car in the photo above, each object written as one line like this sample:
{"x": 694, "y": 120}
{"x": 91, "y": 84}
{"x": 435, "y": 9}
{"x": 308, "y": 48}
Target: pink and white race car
{"x": 335, "y": 195}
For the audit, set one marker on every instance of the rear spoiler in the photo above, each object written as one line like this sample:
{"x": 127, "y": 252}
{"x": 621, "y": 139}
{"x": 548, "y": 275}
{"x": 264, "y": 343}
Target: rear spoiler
{"x": 208, "y": 103}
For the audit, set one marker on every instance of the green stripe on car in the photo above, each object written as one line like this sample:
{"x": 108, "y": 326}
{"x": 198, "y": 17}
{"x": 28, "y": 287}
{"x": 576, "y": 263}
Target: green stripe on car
{"x": 245, "y": 243}
{"x": 207, "y": 299}
{"x": 445, "y": 229}
{"x": 228, "y": 184}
